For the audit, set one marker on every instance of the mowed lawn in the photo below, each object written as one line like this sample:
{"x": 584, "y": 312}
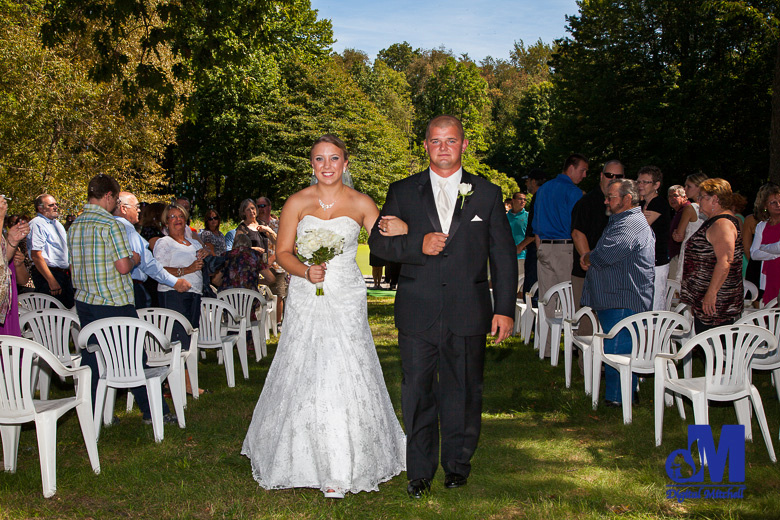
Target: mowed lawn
{"x": 544, "y": 453}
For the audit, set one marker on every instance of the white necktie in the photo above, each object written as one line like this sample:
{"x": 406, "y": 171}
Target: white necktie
{"x": 443, "y": 205}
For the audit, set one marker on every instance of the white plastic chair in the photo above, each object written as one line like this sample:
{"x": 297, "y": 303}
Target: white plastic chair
{"x": 530, "y": 312}
{"x": 673, "y": 290}
{"x": 166, "y": 320}
{"x": 552, "y": 326}
{"x": 121, "y": 343}
{"x": 33, "y": 301}
{"x": 214, "y": 315}
{"x": 751, "y": 292}
{"x": 53, "y": 328}
{"x": 729, "y": 352}
{"x": 651, "y": 334}
{"x": 584, "y": 343}
{"x": 17, "y": 406}
{"x": 244, "y": 300}
{"x": 768, "y": 319}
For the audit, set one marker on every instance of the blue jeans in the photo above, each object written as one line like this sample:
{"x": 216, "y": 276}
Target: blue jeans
{"x": 89, "y": 313}
{"x": 621, "y": 344}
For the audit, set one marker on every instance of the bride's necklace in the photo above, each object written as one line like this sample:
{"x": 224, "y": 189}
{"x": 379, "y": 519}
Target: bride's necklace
{"x": 324, "y": 206}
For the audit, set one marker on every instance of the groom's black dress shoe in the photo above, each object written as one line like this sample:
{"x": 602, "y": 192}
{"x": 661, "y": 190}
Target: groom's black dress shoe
{"x": 453, "y": 480}
{"x": 417, "y": 488}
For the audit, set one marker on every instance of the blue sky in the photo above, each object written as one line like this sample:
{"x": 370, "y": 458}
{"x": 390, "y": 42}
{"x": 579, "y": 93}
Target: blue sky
{"x": 478, "y": 28}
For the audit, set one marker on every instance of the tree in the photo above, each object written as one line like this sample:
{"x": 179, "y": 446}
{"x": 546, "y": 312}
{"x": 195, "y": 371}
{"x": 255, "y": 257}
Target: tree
{"x": 399, "y": 56}
{"x": 765, "y": 17}
{"x": 667, "y": 83}
{"x": 60, "y": 129}
{"x": 147, "y": 44}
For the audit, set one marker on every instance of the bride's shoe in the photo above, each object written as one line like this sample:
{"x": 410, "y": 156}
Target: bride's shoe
{"x": 333, "y": 493}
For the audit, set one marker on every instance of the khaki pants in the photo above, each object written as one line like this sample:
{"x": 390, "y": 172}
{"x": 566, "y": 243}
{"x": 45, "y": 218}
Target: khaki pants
{"x": 554, "y": 265}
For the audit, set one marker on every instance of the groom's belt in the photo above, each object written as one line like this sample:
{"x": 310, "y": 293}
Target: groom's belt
{"x": 561, "y": 241}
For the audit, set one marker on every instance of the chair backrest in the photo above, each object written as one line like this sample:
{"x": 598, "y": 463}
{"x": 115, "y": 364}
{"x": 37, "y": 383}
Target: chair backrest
{"x": 565, "y": 298}
{"x": 52, "y": 328}
{"x": 771, "y": 304}
{"x": 728, "y": 353}
{"x": 751, "y": 291}
{"x": 672, "y": 288}
{"x": 586, "y": 313}
{"x": 165, "y": 320}
{"x": 16, "y": 364}
{"x": 768, "y": 319}
{"x": 121, "y": 342}
{"x": 212, "y": 316}
{"x": 243, "y": 300}
{"x": 651, "y": 334}
{"x": 34, "y": 301}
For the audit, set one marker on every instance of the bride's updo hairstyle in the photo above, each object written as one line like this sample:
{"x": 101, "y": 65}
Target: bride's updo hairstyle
{"x": 330, "y": 139}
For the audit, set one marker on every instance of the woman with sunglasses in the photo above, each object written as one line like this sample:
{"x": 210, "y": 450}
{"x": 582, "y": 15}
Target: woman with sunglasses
{"x": 211, "y": 233}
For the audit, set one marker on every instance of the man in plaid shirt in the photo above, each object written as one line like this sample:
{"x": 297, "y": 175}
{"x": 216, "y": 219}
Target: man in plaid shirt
{"x": 101, "y": 260}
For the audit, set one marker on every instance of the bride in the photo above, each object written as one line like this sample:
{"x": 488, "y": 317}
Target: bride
{"x": 324, "y": 418}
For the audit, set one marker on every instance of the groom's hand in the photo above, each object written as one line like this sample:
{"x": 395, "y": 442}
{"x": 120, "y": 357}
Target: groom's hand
{"x": 501, "y": 327}
{"x": 433, "y": 243}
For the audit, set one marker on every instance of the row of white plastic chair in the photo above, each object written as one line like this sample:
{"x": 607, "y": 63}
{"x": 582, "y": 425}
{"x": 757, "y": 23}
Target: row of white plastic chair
{"x": 660, "y": 333}
{"x": 120, "y": 346}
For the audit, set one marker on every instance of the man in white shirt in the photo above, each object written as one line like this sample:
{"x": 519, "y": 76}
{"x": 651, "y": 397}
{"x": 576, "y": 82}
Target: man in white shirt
{"x": 47, "y": 244}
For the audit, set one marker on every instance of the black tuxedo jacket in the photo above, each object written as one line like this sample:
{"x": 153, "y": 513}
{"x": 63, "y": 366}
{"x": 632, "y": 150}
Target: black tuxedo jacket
{"x": 454, "y": 283}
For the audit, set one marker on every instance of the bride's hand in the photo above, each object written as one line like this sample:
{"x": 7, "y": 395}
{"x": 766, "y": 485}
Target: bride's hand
{"x": 390, "y": 226}
{"x": 317, "y": 273}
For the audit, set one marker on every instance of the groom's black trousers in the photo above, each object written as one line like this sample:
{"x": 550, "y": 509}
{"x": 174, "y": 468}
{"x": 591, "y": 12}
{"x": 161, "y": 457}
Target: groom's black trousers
{"x": 442, "y": 386}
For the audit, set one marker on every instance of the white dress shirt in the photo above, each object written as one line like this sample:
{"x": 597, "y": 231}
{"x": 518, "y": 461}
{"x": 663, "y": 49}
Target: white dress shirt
{"x": 451, "y": 190}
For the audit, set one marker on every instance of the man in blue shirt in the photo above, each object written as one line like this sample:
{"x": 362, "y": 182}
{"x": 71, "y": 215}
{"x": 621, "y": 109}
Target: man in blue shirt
{"x": 48, "y": 247}
{"x": 552, "y": 225}
{"x": 126, "y": 213}
{"x": 518, "y": 221}
{"x": 620, "y": 274}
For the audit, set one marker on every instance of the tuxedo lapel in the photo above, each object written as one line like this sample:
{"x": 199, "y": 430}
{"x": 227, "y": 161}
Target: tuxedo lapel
{"x": 426, "y": 198}
{"x": 458, "y": 213}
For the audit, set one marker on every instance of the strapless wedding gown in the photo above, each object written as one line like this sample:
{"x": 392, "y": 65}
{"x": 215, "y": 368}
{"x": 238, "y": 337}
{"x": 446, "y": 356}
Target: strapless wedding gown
{"x": 324, "y": 418}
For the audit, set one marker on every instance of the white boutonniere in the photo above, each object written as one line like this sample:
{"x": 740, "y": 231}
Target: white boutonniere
{"x": 464, "y": 190}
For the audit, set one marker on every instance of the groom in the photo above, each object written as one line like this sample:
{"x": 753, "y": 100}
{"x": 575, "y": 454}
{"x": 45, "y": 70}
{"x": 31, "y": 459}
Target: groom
{"x": 443, "y": 307}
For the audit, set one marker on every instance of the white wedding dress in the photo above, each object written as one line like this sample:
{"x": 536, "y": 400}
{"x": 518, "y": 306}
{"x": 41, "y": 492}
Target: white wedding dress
{"x": 324, "y": 418}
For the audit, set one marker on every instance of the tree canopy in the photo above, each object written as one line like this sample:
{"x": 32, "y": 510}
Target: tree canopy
{"x": 220, "y": 101}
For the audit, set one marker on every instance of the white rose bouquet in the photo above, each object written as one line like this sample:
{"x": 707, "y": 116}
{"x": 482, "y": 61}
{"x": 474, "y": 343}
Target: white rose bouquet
{"x": 318, "y": 246}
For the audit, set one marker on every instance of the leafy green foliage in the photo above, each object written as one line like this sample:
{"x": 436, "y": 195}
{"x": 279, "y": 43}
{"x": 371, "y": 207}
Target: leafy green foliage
{"x": 129, "y": 37}
{"x": 668, "y": 83}
{"x": 60, "y": 129}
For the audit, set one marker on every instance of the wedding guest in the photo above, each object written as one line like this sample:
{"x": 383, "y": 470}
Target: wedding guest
{"x": 48, "y": 248}
{"x": 712, "y": 268}
{"x": 211, "y": 236}
{"x": 24, "y": 282}
{"x": 102, "y": 260}
{"x": 767, "y": 233}
{"x": 151, "y": 223}
{"x": 11, "y": 267}
{"x": 658, "y": 214}
{"x": 251, "y": 227}
{"x": 244, "y": 266}
{"x": 678, "y": 201}
{"x": 620, "y": 272}
{"x": 690, "y": 220}
{"x": 271, "y": 228}
{"x": 182, "y": 258}
{"x": 126, "y": 213}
